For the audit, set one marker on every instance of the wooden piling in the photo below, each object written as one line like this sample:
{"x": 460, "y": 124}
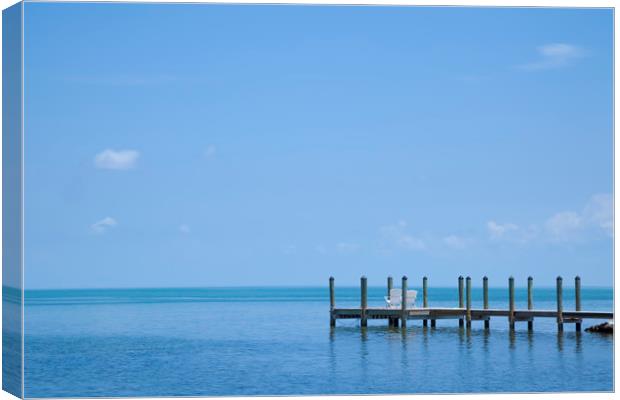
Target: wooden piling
{"x": 558, "y": 292}
{"x": 578, "y": 301}
{"x": 461, "y": 298}
{"x": 390, "y": 284}
{"x": 332, "y": 302}
{"x": 403, "y": 318}
{"x": 364, "y": 301}
{"x": 530, "y": 301}
{"x": 485, "y": 299}
{"x": 424, "y": 298}
{"x": 511, "y": 297}
{"x": 468, "y": 303}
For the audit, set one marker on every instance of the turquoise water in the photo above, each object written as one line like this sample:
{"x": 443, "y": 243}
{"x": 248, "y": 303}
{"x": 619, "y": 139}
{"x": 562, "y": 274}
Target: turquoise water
{"x": 277, "y": 341}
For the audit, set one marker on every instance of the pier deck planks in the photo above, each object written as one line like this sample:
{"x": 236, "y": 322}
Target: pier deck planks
{"x": 456, "y": 313}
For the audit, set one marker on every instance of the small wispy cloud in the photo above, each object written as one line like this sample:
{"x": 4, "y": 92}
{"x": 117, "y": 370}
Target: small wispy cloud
{"x": 594, "y": 219}
{"x": 456, "y": 242}
{"x": 184, "y": 228}
{"x": 103, "y": 225}
{"x": 554, "y": 55}
{"x": 509, "y": 232}
{"x": 599, "y": 211}
{"x": 596, "y": 216}
{"x": 210, "y": 151}
{"x": 563, "y": 225}
{"x": 116, "y": 159}
{"x": 499, "y": 231}
{"x": 397, "y": 235}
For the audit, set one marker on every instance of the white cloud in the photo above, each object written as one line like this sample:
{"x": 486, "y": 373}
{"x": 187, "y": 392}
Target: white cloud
{"x": 559, "y": 50}
{"x": 595, "y": 219}
{"x": 210, "y": 151}
{"x": 456, "y": 242}
{"x": 103, "y": 225}
{"x": 498, "y": 231}
{"x": 598, "y": 212}
{"x": 563, "y": 225}
{"x": 396, "y": 235}
{"x": 554, "y": 55}
{"x": 596, "y": 216}
{"x": 411, "y": 242}
{"x": 116, "y": 159}
{"x": 184, "y": 228}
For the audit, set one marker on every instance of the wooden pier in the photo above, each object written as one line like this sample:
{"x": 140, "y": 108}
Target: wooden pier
{"x": 464, "y": 312}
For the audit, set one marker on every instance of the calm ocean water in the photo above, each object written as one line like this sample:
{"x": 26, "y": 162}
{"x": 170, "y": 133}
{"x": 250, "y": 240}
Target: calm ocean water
{"x": 277, "y": 341}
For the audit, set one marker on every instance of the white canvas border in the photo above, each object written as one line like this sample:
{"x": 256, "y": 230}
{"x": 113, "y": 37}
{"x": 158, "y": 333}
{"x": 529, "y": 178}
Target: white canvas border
{"x": 478, "y": 3}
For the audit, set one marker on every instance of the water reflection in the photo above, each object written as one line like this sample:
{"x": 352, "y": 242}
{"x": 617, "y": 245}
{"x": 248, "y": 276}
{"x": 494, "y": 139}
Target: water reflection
{"x": 425, "y": 335}
{"x": 486, "y": 335}
{"x": 512, "y": 336}
{"x": 364, "y": 353}
{"x": 412, "y": 354}
{"x": 468, "y": 338}
{"x": 404, "y": 359}
{"x": 461, "y": 333}
{"x": 331, "y": 358}
{"x": 364, "y": 334}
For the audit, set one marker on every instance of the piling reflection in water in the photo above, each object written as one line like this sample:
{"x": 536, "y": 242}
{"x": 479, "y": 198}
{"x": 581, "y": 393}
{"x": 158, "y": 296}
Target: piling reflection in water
{"x": 468, "y": 355}
{"x": 560, "y": 336}
{"x": 466, "y": 338}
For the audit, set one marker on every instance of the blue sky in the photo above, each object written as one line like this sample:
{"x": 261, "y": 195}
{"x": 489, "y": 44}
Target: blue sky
{"x": 220, "y": 145}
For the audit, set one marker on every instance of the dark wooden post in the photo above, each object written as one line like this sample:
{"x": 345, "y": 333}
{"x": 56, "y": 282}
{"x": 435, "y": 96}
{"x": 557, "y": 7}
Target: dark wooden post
{"x": 558, "y": 292}
{"x": 485, "y": 299}
{"x": 424, "y": 298}
{"x": 364, "y": 284}
{"x": 390, "y": 284}
{"x": 511, "y": 297}
{"x": 403, "y": 317}
{"x": 578, "y": 301}
{"x": 332, "y": 302}
{"x": 530, "y": 302}
{"x": 461, "y": 298}
{"x": 468, "y": 303}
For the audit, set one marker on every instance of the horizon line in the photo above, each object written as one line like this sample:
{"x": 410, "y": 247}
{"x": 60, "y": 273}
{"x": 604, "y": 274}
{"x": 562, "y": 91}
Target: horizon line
{"x": 281, "y": 287}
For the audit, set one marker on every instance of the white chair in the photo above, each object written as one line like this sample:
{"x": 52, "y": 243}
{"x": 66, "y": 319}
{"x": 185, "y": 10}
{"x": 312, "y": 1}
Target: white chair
{"x": 395, "y": 299}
